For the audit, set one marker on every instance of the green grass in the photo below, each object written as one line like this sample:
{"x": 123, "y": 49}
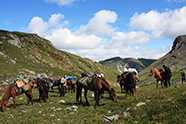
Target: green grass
{"x": 162, "y": 106}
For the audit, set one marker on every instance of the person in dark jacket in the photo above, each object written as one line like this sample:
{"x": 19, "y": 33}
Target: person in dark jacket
{"x": 183, "y": 78}
{"x": 168, "y": 74}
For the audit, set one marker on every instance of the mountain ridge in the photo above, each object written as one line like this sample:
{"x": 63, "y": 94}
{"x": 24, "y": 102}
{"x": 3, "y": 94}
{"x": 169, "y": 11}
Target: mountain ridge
{"x": 139, "y": 63}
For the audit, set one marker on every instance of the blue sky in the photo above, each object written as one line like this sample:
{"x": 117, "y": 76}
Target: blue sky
{"x": 130, "y": 19}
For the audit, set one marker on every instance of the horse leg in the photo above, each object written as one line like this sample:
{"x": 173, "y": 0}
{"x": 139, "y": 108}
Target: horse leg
{"x": 61, "y": 90}
{"x": 169, "y": 82}
{"x": 4, "y": 105}
{"x": 78, "y": 94}
{"x": 157, "y": 81}
{"x": 85, "y": 94}
{"x": 14, "y": 101}
{"x": 29, "y": 97}
{"x": 121, "y": 87}
{"x": 165, "y": 83}
{"x": 97, "y": 97}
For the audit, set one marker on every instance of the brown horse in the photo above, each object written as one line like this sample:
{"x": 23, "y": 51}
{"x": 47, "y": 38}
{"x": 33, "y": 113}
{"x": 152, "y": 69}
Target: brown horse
{"x": 3, "y": 88}
{"x": 69, "y": 85}
{"x": 13, "y": 91}
{"x": 158, "y": 74}
{"x": 96, "y": 84}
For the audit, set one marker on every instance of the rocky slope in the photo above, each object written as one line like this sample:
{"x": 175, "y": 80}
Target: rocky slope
{"x": 118, "y": 62}
{"x": 31, "y": 53}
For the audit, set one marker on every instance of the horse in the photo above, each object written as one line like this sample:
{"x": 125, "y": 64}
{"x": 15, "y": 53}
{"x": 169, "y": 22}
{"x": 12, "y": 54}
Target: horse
{"x": 3, "y": 88}
{"x": 96, "y": 84}
{"x": 127, "y": 81}
{"x": 159, "y": 75}
{"x": 43, "y": 88}
{"x": 13, "y": 91}
{"x": 59, "y": 83}
{"x": 69, "y": 85}
{"x": 55, "y": 83}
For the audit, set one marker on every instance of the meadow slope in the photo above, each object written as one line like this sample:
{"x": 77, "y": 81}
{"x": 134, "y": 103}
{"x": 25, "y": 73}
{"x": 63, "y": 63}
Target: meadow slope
{"x": 166, "y": 106}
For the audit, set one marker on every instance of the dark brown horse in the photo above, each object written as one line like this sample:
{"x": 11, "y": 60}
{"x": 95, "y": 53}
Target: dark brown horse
{"x": 128, "y": 81}
{"x": 96, "y": 84}
{"x": 158, "y": 74}
{"x": 13, "y": 91}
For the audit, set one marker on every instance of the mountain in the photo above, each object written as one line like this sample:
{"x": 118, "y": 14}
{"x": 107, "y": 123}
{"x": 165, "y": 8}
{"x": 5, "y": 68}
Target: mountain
{"x": 25, "y": 52}
{"x": 118, "y": 62}
{"x": 175, "y": 59}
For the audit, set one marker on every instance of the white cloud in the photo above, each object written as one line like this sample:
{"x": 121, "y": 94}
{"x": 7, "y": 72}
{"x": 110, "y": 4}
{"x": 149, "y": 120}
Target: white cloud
{"x": 62, "y": 2}
{"x": 121, "y": 39}
{"x": 37, "y": 25}
{"x": 100, "y": 24}
{"x": 179, "y": 1}
{"x": 98, "y": 39}
{"x": 41, "y": 27}
{"x": 63, "y": 38}
{"x": 170, "y": 23}
{"x": 102, "y": 53}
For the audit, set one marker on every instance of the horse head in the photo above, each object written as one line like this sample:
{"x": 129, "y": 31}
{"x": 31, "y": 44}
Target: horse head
{"x": 33, "y": 83}
{"x": 119, "y": 77}
{"x": 151, "y": 72}
{"x": 107, "y": 86}
{"x": 113, "y": 95}
{"x": 137, "y": 78}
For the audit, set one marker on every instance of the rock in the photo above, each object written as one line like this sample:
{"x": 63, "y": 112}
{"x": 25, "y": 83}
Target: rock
{"x": 126, "y": 114}
{"x": 2, "y": 54}
{"x": 92, "y": 95}
{"x": 128, "y": 109}
{"x": 11, "y": 116}
{"x": 140, "y": 104}
{"x": 109, "y": 111}
{"x": 62, "y": 101}
{"x": 148, "y": 100}
{"x": 24, "y": 111}
{"x": 40, "y": 112}
{"x": 12, "y": 61}
{"x": 72, "y": 108}
{"x": 52, "y": 115}
{"x": 110, "y": 119}
{"x": 58, "y": 109}
{"x": 21, "y": 98}
{"x": 75, "y": 107}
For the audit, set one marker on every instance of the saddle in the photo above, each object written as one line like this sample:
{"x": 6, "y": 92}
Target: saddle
{"x": 20, "y": 83}
{"x": 21, "y": 86}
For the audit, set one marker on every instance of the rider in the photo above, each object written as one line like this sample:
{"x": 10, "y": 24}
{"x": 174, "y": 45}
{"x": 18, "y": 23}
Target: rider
{"x": 168, "y": 74}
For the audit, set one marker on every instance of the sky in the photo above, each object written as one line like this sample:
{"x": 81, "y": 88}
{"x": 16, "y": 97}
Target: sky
{"x": 100, "y": 29}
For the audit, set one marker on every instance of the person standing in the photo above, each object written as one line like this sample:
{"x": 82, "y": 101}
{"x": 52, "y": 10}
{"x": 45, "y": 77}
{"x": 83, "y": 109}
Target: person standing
{"x": 183, "y": 78}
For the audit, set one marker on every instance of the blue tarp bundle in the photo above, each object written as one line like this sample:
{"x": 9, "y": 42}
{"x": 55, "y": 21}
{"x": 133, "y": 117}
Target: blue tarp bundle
{"x": 70, "y": 78}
